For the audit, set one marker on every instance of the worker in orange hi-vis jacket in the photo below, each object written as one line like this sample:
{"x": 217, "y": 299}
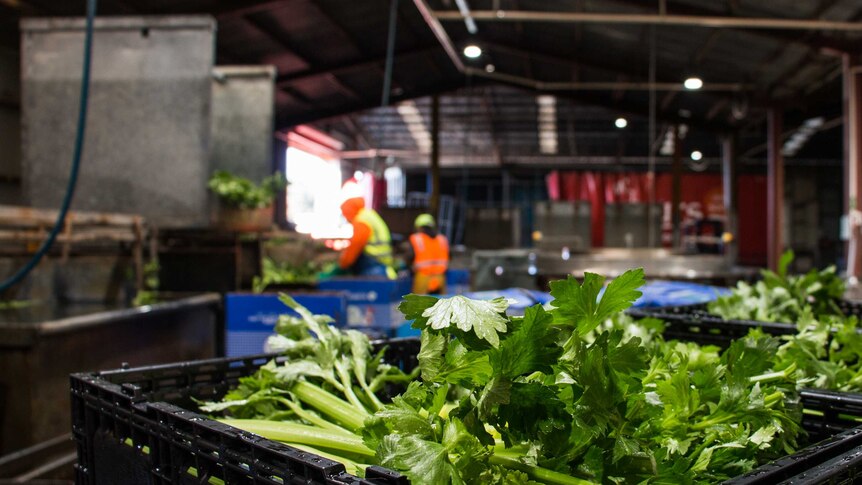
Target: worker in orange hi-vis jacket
{"x": 370, "y": 249}
{"x": 430, "y": 257}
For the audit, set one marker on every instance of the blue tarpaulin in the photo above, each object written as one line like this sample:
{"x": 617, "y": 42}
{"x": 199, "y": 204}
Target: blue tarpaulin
{"x": 674, "y": 293}
{"x": 655, "y": 294}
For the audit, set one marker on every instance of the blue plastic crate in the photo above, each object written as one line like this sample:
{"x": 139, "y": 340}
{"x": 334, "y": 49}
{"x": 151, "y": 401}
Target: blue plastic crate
{"x": 371, "y": 302}
{"x": 457, "y": 281}
{"x": 250, "y": 318}
{"x": 675, "y": 293}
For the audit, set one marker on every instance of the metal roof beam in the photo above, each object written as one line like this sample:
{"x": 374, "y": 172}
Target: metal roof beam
{"x": 814, "y": 41}
{"x": 444, "y": 39}
{"x": 576, "y": 62}
{"x": 249, "y": 8}
{"x": 653, "y": 19}
{"x": 357, "y": 65}
{"x": 288, "y": 120}
{"x": 281, "y": 39}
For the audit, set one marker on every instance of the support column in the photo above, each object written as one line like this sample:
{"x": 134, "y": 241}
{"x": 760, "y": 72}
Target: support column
{"x": 676, "y": 187}
{"x": 853, "y": 162}
{"x": 728, "y": 176}
{"x": 775, "y": 187}
{"x": 279, "y": 164}
{"x": 506, "y": 182}
{"x": 434, "y": 202}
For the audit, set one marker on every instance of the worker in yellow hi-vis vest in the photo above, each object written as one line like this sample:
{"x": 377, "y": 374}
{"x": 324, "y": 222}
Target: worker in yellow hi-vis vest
{"x": 370, "y": 249}
{"x": 430, "y": 257}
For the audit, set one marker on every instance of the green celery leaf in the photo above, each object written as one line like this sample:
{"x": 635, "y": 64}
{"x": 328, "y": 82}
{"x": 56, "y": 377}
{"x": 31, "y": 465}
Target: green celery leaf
{"x": 621, "y": 293}
{"x": 749, "y": 356}
{"x": 484, "y": 318}
{"x": 624, "y": 447}
{"x": 457, "y": 459}
{"x": 431, "y": 355}
{"x": 531, "y": 347}
{"x": 413, "y": 306}
{"x": 423, "y": 462}
{"x": 464, "y": 367}
{"x": 784, "y": 263}
{"x": 499, "y": 475}
{"x": 496, "y": 392}
{"x": 593, "y": 463}
{"x": 576, "y": 304}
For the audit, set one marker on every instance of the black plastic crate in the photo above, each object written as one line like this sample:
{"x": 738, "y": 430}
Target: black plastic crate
{"x": 132, "y": 426}
{"x": 692, "y": 323}
{"x": 834, "y": 458}
{"x": 695, "y": 323}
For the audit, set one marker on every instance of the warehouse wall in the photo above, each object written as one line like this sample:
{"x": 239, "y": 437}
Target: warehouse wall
{"x": 243, "y": 111}
{"x": 813, "y": 208}
{"x": 147, "y": 146}
{"x": 10, "y": 128}
{"x": 813, "y": 205}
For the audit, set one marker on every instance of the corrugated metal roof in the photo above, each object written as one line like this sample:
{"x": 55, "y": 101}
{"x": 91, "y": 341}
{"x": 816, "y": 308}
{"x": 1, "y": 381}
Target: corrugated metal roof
{"x": 329, "y": 55}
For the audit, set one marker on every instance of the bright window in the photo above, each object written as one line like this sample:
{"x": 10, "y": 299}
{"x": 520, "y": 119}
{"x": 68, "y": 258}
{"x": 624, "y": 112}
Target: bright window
{"x": 312, "y": 195}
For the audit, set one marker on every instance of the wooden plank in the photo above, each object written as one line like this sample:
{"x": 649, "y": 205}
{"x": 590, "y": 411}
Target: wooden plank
{"x": 107, "y": 235}
{"x": 26, "y": 215}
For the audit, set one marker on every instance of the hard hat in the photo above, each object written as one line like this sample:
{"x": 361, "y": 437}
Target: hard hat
{"x": 350, "y": 190}
{"x": 424, "y": 220}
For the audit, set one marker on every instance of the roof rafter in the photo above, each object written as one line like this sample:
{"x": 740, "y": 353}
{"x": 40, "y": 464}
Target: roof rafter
{"x": 352, "y": 39}
{"x": 356, "y": 65}
{"x": 250, "y": 7}
{"x": 815, "y": 41}
{"x": 282, "y": 39}
{"x": 288, "y": 120}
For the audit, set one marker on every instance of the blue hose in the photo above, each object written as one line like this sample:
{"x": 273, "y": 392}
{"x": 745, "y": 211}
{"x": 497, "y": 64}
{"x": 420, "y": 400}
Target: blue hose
{"x": 76, "y": 157}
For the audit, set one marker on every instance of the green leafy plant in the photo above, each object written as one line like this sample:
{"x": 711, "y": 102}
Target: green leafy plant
{"x": 572, "y": 395}
{"x": 780, "y": 297}
{"x": 242, "y": 193}
{"x": 274, "y": 273}
{"x": 16, "y": 304}
{"x": 149, "y": 294}
{"x": 827, "y": 348}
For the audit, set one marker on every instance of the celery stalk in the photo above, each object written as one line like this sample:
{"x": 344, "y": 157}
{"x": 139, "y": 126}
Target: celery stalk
{"x": 287, "y": 432}
{"x": 510, "y": 460}
{"x": 330, "y": 405}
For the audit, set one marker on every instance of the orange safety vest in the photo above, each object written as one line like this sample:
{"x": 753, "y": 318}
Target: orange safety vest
{"x": 431, "y": 255}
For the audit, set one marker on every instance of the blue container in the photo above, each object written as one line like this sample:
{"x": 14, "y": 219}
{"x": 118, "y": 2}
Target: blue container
{"x": 250, "y": 318}
{"x": 674, "y": 293}
{"x": 457, "y": 281}
{"x": 372, "y": 303}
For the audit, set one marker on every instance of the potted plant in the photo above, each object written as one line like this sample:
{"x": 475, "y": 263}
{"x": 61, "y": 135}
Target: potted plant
{"x": 243, "y": 205}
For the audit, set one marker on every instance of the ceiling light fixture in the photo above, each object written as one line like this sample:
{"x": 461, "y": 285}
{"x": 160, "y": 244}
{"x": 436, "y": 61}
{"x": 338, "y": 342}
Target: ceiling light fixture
{"x": 490, "y": 68}
{"x": 693, "y": 83}
{"x": 696, "y": 155}
{"x": 621, "y": 123}
{"x": 472, "y": 51}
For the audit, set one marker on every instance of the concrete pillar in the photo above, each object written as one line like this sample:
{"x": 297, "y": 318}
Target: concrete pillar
{"x": 775, "y": 187}
{"x": 242, "y": 120}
